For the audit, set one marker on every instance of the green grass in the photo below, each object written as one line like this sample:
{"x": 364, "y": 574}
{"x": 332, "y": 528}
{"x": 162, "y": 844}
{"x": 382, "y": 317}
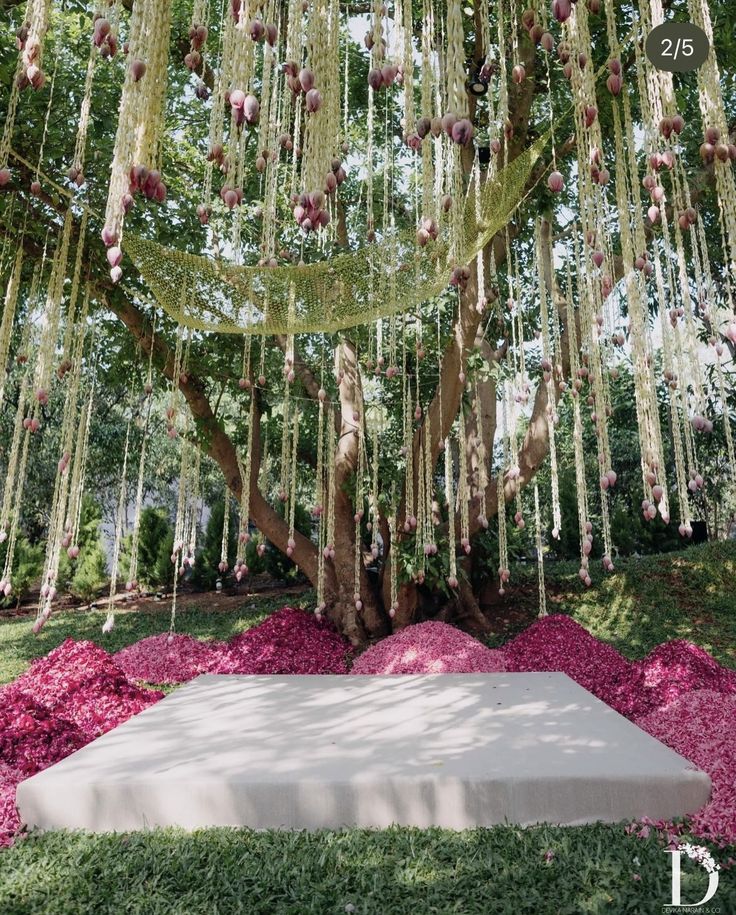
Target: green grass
{"x": 646, "y": 601}
{"x": 386, "y": 872}
{"x": 19, "y": 646}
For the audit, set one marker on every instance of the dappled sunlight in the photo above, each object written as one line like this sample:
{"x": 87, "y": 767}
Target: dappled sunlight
{"x": 451, "y": 750}
{"x": 430, "y": 647}
{"x": 393, "y": 731}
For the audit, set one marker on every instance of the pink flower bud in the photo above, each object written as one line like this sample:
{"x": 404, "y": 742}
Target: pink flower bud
{"x": 306, "y": 79}
{"x": 314, "y": 100}
{"x": 137, "y": 70}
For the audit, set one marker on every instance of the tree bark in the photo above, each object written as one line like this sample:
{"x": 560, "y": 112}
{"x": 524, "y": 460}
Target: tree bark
{"x": 216, "y": 442}
{"x": 357, "y": 625}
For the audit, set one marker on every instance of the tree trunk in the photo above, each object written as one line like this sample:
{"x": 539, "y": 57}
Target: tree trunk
{"x": 340, "y": 592}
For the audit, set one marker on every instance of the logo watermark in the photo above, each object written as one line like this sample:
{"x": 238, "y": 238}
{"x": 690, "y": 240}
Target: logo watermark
{"x": 703, "y": 857}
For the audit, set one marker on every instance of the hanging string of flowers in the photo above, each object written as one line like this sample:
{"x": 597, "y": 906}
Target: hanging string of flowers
{"x": 79, "y": 467}
{"x": 540, "y": 553}
{"x": 451, "y": 512}
{"x": 504, "y": 573}
{"x": 106, "y": 26}
{"x": 15, "y": 482}
{"x": 132, "y": 581}
{"x": 291, "y": 543}
{"x": 319, "y": 82}
{"x": 193, "y": 513}
{"x": 51, "y": 317}
{"x": 30, "y": 39}
{"x": 75, "y": 174}
{"x": 585, "y": 527}
{"x": 716, "y": 148}
{"x": 119, "y": 533}
{"x": 136, "y": 155}
{"x": 58, "y": 538}
{"x": 6, "y": 323}
{"x": 244, "y": 467}
{"x": 547, "y": 363}
{"x": 35, "y": 183}
{"x": 11, "y": 519}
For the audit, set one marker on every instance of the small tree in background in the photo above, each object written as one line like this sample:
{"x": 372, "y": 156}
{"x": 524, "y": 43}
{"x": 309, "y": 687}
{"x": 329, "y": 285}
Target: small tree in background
{"x": 27, "y": 569}
{"x": 155, "y": 545}
{"x": 205, "y": 572}
{"x": 85, "y": 577}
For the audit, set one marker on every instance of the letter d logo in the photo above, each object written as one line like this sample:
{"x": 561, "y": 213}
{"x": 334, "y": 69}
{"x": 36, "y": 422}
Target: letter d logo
{"x": 676, "y": 893}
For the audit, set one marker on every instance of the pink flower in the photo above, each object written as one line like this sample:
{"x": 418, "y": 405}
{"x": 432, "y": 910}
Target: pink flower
{"x": 429, "y": 648}
{"x": 290, "y": 641}
{"x": 168, "y": 659}
{"x": 700, "y": 725}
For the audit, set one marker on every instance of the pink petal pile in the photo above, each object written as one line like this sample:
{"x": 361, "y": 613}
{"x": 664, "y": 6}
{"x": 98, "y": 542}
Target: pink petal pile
{"x": 31, "y": 736}
{"x": 429, "y": 648}
{"x": 63, "y": 701}
{"x": 633, "y": 688}
{"x": 701, "y": 725}
{"x": 290, "y": 641}
{"x": 168, "y": 659}
{"x": 81, "y": 683}
{"x": 675, "y": 668}
{"x": 9, "y": 820}
{"x": 558, "y": 643}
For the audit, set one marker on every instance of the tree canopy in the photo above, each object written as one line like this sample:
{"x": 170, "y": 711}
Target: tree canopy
{"x": 581, "y": 349}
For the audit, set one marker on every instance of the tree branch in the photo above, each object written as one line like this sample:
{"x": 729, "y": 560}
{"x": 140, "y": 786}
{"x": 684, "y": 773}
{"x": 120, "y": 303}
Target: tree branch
{"x": 215, "y": 441}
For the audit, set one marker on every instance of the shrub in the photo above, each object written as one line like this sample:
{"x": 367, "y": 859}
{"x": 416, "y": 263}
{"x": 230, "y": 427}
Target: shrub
{"x": 27, "y": 569}
{"x": 86, "y": 576}
{"x": 155, "y": 544}
{"x": 163, "y": 575}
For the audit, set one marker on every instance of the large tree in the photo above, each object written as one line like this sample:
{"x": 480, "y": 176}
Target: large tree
{"x": 473, "y": 329}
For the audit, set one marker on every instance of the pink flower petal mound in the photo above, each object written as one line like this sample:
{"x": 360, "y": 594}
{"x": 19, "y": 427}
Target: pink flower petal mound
{"x": 81, "y": 683}
{"x": 290, "y": 641}
{"x": 31, "y": 736}
{"x": 9, "y": 819}
{"x": 558, "y": 643}
{"x": 678, "y": 667}
{"x": 167, "y": 659}
{"x": 429, "y": 648}
{"x": 700, "y": 725}
{"x": 633, "y": 688}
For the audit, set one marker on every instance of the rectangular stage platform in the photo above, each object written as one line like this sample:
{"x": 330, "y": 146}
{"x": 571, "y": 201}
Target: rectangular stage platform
{"x": 458, "y": 751}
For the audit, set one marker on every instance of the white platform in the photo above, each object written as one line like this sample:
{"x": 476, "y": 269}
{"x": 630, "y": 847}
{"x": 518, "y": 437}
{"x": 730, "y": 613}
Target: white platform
{"x": 327, "y": 751}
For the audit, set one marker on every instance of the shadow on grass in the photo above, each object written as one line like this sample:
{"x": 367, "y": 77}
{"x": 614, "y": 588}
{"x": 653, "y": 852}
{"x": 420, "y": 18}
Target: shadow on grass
{"x": 593, "y": 869}
{"x": 646, "y": 601}
{"x": 19, "y": 646}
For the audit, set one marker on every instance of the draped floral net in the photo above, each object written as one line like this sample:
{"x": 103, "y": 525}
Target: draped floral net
{"x": 376, "y": 281}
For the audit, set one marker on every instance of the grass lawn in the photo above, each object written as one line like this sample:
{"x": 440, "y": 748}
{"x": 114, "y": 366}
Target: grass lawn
{"x": 389, "y": 872}
{"x": 646, "y": 601}
{"x": 19, "y": 646}
{"x": 594, "y": 869}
